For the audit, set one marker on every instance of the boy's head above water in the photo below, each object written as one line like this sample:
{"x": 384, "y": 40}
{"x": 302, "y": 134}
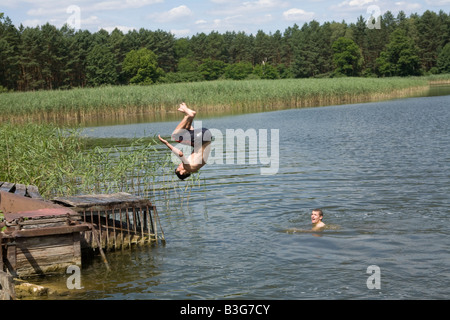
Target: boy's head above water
{"x": 316, "y": 219}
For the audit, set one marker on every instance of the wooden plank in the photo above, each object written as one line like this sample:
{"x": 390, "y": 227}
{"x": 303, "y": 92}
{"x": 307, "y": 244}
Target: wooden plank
{"x": 44, "y": 255}
{"x": 7, "y": 289}
{"x": 7, "y": 186}
{"x": 44, "y": 223}
{"x": 41, "y": 214}
{"x": 33, "y": 192}
{"x": 11, "y": 257}
{"x": 121, "y": 199}
{"x": 40, "y": 232}
{"x": 21, "y": 189}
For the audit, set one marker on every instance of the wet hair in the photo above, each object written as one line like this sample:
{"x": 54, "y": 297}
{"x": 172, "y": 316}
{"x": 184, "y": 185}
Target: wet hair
{"x": 319, "y": 211}
{"x": 182, "y": 176}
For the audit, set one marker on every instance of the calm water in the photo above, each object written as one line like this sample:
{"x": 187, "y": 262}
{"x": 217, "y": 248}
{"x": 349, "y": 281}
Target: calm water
{"x": 380, "y": 172}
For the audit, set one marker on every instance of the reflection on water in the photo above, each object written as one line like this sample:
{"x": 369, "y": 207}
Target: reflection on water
{"x": 381, "y": 173}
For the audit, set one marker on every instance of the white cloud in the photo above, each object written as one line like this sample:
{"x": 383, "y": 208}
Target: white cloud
{"x": 179, "y": 12}
{"x": 438, "y": 2}
{"x": 44, "y": 11}
{"x": 231, "y": 8}
{"x": 356, "y": 3}
{"x": 180, "y": 33}
{"x": 174, "y": 14}
{"x": 295, "y": 14}
{"x": 32, "y": 23}
{"x": 119, "y": 5}
{"x": 52, "y": 7}
{"x": 405, "y": 6}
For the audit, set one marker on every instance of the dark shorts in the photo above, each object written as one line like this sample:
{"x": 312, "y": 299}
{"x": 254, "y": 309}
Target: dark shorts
{"x": 196, "y": 137}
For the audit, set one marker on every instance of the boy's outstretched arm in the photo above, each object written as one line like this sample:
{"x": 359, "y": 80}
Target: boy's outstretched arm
{"x": 176, "y": 151}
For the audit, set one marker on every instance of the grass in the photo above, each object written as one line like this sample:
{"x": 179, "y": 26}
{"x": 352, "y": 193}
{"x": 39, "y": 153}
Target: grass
{"x": 120, "y": 101}
{"x": 60, "y": 162}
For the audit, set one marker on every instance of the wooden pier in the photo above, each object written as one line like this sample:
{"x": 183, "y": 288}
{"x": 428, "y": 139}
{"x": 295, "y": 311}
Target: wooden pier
{"x": 39, "y": 237}
{"x": 121, "y": 220}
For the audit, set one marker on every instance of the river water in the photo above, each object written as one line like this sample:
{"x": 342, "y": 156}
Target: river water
{"x": 380, "y": 172}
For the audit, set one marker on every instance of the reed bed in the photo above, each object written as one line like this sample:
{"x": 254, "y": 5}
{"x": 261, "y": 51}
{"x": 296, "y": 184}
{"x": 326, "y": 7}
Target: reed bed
{"x": 106, "y": 102}
{"x": 60, "y": 162}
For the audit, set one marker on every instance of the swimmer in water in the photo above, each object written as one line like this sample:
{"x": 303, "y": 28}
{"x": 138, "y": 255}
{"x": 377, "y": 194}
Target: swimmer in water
{"x": 317, "y": 224}
{"x": 185, "y": 133}
{"x": 316, "y": 220}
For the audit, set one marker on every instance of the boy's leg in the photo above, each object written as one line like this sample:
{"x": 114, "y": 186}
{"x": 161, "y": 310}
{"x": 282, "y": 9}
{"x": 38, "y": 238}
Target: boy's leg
{"x": 186, "y": 122}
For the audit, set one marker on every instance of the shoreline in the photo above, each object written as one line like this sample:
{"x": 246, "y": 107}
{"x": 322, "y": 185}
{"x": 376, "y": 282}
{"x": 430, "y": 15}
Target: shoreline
{"x": 155, "y": 103}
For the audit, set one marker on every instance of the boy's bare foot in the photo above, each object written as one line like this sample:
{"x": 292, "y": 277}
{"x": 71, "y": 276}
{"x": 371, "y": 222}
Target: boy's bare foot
{"x": 183, "y": 108}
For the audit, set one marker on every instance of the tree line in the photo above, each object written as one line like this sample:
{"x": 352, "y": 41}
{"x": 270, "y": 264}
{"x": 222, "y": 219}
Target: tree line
{"x": 46, "y": 57}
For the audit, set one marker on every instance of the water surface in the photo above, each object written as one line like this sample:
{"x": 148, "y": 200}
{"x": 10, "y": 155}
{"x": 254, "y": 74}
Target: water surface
{"x": 381, "y": 173}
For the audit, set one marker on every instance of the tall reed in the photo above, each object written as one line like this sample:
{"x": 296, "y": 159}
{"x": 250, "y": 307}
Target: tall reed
{"x": 60, "y": 162}
{"x": 104, "y": 102}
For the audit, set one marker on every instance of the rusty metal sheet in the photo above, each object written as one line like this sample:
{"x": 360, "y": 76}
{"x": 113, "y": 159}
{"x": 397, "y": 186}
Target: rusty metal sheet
{"x": 10, "y": 202}
{"x": 15, "y": 207}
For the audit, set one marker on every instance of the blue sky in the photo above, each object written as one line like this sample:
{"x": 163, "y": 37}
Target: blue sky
{"x": 186, "y": 18}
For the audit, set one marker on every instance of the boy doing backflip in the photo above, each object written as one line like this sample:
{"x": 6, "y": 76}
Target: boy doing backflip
{"x": 199, "y": 139}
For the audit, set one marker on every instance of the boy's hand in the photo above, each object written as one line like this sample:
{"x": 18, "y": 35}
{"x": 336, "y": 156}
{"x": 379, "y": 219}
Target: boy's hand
{"x": 162, "y": 140}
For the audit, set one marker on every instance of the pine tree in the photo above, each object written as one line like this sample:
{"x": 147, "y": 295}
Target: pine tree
{"x": 101, "y": 68}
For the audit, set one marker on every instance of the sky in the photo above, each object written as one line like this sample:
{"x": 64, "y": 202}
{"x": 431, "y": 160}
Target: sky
{"x": 186, "y": 18}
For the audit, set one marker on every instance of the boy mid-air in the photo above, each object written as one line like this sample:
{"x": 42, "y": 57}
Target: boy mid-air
{"x": 199, "y": 139}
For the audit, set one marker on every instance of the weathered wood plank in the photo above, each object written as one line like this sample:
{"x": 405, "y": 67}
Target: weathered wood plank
{"x": 7, "y": 186}
{"x": 7, "y": 289}
{"x": 33, "y": 192}
{"x": 120, "y": 199}
{"x": 49, "y": 231}
{"x": 44, "y": 255}
{"x": 21, "y": 189}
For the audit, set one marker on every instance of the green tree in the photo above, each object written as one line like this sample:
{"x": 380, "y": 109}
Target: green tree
{"x": 443, "y": 61}
{"x": 347, "y": 57}
{"x": 187, "y": 65}
{"x": 212, "y": 69}
{"x": 305, "y": 52}
{"x": 312, "y": 50}
{"x": 162, "y": 43}
{"x": 262, "y": 48}
{"x": 400, "y": 56}
{"x": 79, "y": 48}
{"x": 101, "y": 67}
{"x": 240, "y": 48}
{"x": 238, "y": 71}
{"x": 9, "y": 53}
{"x": 266, "y": 71}
{"x": 30, "y": 48}
{"x": 141, "y": 67}
{"x": 428, "y": 40}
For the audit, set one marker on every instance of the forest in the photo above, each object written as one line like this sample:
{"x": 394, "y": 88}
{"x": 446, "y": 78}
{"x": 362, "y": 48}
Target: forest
{"x": 46, "y": 58}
